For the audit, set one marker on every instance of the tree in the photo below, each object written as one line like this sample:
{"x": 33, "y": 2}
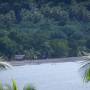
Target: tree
{"x": 7, "y": 47}
{"x": 60, "y": 48}
{"x": 16, "y": 5}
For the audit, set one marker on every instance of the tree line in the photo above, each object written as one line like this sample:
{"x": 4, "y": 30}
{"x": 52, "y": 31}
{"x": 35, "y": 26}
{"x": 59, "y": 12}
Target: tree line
{"x": 44, "y": 28}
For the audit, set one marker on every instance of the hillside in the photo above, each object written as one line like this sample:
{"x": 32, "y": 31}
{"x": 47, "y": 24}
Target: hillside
{"x": 44, "y": 28}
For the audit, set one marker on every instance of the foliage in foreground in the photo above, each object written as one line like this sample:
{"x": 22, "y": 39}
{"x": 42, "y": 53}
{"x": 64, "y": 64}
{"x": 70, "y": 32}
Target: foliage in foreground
{"x": 15, "y": 87}
{"x": 4, "y": 65}
{"x": 86, "y": 69}
{"x": 87, "y": 75}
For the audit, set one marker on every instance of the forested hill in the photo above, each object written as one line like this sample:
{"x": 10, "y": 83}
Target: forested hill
{"x": 44, "y": 28}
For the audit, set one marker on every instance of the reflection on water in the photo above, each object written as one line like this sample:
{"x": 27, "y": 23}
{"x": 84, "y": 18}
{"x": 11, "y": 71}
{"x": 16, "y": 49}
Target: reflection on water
{"x": 59, "y": 76}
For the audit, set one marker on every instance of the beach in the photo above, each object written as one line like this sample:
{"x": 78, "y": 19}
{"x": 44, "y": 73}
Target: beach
{"x": 42, "y": 61}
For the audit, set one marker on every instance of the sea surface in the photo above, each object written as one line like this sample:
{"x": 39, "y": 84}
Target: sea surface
{"x": 48, "y": 76}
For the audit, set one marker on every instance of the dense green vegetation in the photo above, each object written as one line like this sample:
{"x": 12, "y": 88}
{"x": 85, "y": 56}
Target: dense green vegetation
{"x": 44, "y": 28}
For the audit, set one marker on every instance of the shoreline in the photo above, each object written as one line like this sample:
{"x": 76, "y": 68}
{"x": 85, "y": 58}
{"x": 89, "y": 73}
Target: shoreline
{"x": 43, "y": 61}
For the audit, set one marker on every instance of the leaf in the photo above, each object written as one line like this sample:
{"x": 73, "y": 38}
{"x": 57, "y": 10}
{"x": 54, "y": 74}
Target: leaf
{"x": 1, "y": 87}
{"x": 14, "y": 85}
{"x": 28, "y": 87}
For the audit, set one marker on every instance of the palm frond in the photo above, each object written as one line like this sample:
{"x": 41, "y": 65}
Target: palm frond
{"x": 28, "y": 87}
{"x": 1, "y": 86}
{"x": 14, "y": 85}
{"x": 5, "y": 66}
{"x": 86, "y": 67}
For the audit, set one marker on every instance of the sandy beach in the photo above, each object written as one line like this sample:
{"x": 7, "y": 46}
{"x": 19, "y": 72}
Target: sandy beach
{"x": 58, "y": 60}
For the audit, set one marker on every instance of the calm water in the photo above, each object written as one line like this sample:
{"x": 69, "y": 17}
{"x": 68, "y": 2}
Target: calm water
{"x": 59, "y": 76}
